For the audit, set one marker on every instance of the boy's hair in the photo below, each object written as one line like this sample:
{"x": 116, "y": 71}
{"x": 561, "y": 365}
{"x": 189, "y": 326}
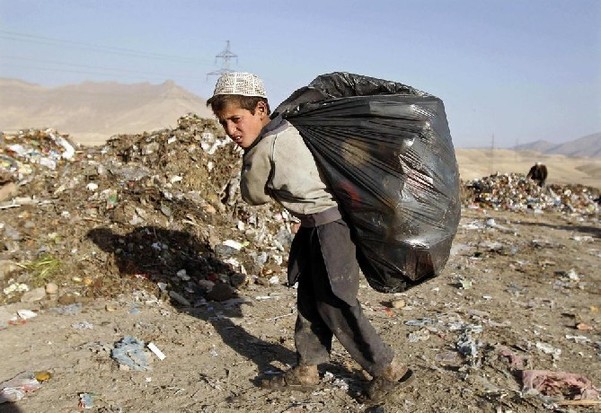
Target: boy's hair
{"x": 219, "y": 102}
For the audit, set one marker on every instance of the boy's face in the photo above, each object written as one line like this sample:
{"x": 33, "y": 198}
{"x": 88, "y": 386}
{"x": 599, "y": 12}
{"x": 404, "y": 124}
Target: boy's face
{"x": 241, "y": 125}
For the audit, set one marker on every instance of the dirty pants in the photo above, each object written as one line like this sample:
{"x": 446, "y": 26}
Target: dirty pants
{"x": 323, "y": 261}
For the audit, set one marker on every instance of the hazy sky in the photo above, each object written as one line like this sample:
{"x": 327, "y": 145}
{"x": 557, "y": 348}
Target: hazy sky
{"x": 518, "y": 70}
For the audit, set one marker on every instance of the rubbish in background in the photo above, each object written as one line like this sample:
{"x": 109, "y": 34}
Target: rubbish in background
{"x": 130, "y": 354}
{"x": 26, "y": 314}
{"x": 513, "y": 192}
{"x": 567, "y": 385}
{"x": 549, "y": 349}
{"x": 26, "y": 382}
{"x": 47, "y": 148}
{"x": 338, "y": 382}
{"x": 468, "y": 345}
{"x": 86, "y": 401}
{"x": 70, "y": 309}
{"x": 156, "y": 351}
{"x": 83, "y": 325}
{"x": 516, "y": 361}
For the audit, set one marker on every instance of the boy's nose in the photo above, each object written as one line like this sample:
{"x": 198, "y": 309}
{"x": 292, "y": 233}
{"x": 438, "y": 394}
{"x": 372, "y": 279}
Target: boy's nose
{"x": 230, "y": 129}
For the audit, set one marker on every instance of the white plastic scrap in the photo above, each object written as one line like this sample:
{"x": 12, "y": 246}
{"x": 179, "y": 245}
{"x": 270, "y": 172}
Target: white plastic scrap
{"x": 234, "y": 244}
{"x": 548, "y": 349}
{"x": 152, "y": 347}
{"x": 579, "y": 339}
{"x": 92, "y": 186}
{"x": 26, "y": 314}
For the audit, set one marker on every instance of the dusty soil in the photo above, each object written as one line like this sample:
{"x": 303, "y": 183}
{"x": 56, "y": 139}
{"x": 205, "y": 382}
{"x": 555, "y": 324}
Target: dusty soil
{"x": 144, "y": 254}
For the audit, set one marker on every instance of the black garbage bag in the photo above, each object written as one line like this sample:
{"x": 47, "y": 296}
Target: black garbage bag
{"x": 386, "y": 150}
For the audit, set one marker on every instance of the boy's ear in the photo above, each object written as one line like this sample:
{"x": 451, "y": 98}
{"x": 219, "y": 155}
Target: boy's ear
{"x": 261, "y": 107}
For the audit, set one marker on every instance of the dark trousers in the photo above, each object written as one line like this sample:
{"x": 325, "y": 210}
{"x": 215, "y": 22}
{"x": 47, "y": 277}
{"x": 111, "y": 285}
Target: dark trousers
{"x": 323, "y": 261}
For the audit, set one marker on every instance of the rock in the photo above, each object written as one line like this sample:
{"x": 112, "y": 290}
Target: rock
{"x": 6, "y": 267}
{"x": 51, "y": 288}
{"x": 238, "y": 279}
{"x": 398, "y": 304}
{"x": 221, "y": 292}
{"x": 8, "y": 191}
{"x": 37, "y": 294}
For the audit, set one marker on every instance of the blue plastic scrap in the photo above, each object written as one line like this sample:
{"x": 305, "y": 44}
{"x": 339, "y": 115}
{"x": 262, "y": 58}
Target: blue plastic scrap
{"x": 130, "y": 352}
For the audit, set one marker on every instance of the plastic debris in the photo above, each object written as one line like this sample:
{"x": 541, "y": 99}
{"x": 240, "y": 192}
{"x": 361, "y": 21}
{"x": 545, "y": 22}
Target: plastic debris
{"x": 566, "y": 385}
{"x": 15, "y": 389}
{"x": 513, "y": 192}
{"x": 152, "y": 347}
{"x": 129, "y": 353}
{"x": 86, "y": 401}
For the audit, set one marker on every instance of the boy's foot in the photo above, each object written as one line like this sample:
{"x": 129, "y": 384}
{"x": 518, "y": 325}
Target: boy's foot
{"x": 297, "y": 378}
{"x": 382, "y": 387}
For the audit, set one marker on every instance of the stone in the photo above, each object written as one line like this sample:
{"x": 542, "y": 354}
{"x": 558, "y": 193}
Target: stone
{"x": 37, "y": 294}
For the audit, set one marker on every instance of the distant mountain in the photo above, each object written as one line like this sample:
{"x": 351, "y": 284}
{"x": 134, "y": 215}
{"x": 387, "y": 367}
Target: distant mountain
{"x": 587, "y": 147}
{"x": 92, "y": 112}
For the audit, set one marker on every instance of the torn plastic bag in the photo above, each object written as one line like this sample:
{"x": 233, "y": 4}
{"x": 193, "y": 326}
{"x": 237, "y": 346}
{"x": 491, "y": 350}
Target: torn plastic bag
{"x": 386, "y": 150}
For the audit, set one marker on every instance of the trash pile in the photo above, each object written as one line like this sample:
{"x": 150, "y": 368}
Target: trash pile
{"x": 163, "y": 206}
{"x": 162, "y": 209}
{"x": 514, "y": 192}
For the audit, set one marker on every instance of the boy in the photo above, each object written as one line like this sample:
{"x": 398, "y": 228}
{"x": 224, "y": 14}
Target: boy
{"x": 277, "y": 164}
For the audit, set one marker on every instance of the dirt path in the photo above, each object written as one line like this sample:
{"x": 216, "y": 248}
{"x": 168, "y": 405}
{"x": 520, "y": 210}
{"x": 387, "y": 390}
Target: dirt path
{"x": 520, "y": 292}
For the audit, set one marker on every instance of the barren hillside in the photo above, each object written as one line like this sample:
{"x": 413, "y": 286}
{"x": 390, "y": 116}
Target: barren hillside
{"x": 92, "y": 112}
{"x": 476, "y": 163}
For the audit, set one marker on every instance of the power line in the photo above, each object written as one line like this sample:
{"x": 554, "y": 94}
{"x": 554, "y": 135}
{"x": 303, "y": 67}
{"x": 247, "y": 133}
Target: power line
{"x": 24, "y": 37}
{"x": 69, "y": 66}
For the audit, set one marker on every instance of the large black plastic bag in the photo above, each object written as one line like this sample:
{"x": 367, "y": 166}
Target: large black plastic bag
{"x": 386, "y": 150}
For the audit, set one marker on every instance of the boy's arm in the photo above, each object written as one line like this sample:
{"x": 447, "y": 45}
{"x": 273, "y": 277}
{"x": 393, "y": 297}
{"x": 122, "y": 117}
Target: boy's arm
{"x": 256, "y": 171}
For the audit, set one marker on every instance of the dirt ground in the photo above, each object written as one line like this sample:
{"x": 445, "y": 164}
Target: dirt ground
{"x": 145, "y": 241}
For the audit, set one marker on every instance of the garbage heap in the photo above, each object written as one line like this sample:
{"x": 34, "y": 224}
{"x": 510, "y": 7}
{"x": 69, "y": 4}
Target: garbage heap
{"x": 159, "y": 210}
{"x": 514, "y": 192}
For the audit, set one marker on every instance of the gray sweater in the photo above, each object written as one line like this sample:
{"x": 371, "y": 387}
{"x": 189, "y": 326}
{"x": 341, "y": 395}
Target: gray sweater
{"x": 280, "y": 166}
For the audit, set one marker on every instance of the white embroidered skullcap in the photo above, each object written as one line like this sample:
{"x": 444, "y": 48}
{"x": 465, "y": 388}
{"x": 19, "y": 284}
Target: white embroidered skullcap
{"x": 240, "y": 83}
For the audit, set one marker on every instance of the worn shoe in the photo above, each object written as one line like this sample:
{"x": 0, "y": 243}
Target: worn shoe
{"x": 383, "y": 387}
{"x": 297, "y": 378}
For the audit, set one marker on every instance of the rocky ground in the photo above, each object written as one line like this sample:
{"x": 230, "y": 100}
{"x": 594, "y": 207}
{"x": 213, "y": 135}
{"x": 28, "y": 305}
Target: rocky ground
{"x": 112, "y": 257}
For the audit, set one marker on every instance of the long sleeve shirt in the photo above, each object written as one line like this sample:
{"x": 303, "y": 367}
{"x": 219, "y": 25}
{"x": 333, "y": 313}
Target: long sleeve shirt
{"x": 280, "y": 166}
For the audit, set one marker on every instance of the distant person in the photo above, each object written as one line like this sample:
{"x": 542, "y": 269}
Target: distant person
{"x": 538, "y": 173}
{"x": 278, "y": 164}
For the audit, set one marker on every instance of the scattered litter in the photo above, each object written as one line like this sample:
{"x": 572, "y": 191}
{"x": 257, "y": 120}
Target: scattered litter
{"x": 340, "y": 383}
{"x": 129, "y": 353}
{"x": 156, "y": 351}
{"x": 420, "y": 335}
{"x": 549, "y": 349}
{"x": 83, "y": 325}
{"x": 467, "y": 345}
{"x": 15, "y": 389}
{"x": 578, "y": 339}
{"x": 86, "y": 401}
{"x": 549, "y": 383}
{"x": 516, "y": 361}
{"x": 234, "y": 244}
{"x": 26, "y": 314}
{"x": 70, "y": 309}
